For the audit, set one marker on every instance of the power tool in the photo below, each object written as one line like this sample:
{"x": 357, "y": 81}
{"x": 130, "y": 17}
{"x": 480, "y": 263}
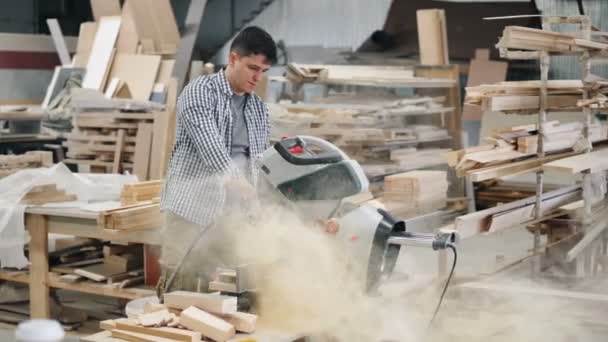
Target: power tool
{"x": 315, "y": 175}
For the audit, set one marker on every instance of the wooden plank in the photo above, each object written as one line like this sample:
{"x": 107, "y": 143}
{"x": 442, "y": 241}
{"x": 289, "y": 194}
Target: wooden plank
{"x": 98, "y": 289}
{"x": 118, "y": 151}
{"x": 514, "y": 168}
{"x": 105, "y": 8}
{"x": 101, "y": 53}
{"x": 155, "y": 26}
{"x": 128, "y": 39}
{"x": 521, "y": 215}
{"x": 130, "y": 116}
{"x": 164, "y": 71}
{"x": 98, "y": 272}
{"x": 591, "y": 235}
{"x": 98, "y": 138}
{"x": 479, "y": 221}
{"x": 170, "y": 333}
{"x": 528, "y": 102}
{"x": 207, "y": 324}
{"x": 86, "y": 37}
{"x": 39, "y": 268}
{"x": 62, "y": 50}
{"x": 138, "y": 72}
{"x": 593, "y": 162}
{"x": 186, "y": 45}
{"x": 217, "y": 304}
{"x": 432, "y": 37}
{"x": 163, "y": 137}
{"x": 223, "y": 287}
{"x": 137, "y": 337}
{"x": 242, "y": 321}
{"x": 143, "y": 146}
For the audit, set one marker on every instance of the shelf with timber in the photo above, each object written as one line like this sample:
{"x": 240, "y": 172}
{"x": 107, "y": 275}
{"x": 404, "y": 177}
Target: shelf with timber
{"x": 54, "y": 281}
{"x": 40, "y": 221}
{"x": 526, "y": 43}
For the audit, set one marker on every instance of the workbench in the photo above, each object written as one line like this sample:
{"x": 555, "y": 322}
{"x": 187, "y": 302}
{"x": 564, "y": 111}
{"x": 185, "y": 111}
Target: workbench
{"x": 41, "y": 221}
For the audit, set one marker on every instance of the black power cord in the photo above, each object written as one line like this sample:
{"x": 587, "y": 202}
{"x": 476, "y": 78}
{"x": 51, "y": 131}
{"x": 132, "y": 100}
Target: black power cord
{"x": 445, "y": 288}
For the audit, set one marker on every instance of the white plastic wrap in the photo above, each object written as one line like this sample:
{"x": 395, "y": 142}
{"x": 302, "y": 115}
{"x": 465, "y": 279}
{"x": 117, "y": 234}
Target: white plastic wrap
{"x": 87, "y": 187}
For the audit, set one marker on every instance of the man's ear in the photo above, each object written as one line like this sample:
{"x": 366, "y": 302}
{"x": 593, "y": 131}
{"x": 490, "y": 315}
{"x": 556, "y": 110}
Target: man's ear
{"x": 232, "y": 57}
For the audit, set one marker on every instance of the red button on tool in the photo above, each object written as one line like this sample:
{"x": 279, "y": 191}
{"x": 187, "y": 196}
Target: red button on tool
{"x": 296, "y": 150}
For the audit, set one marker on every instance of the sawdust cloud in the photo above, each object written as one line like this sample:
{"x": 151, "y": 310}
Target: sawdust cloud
{"x": 312, "y": 287}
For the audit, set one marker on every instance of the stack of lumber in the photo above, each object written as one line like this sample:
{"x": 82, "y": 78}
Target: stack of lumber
{"x": 415, "y": 192}
{"x": 116, "y": 141}
{"x": 513, "y": 150}
{"x": 184, "y": 316}
{"x": 522, "y": 97}
{"x": 10, "y": 164}
{"x": 524, "y": 38}
{"x": 365, "y": 75}
{"x": 494, "y": 192}
{"x": 47, "y": 193}
{"x": 377, "y": 134}
{"x": 140, "y": 192}
{"x": 118, "y": 266}
{"x": 515, "y": 213}
{"x": 592, "y": 162}
{"x": 140, "y": 216}
{"x": 123, "y": 115}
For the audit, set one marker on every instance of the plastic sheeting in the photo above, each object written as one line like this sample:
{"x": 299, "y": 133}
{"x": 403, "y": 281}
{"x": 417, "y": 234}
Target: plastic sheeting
{"x": 87, "y": 187}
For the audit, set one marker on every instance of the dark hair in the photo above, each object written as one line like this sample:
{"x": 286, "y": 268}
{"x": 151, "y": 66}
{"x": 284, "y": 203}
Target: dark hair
{"x": 252, "y": 41}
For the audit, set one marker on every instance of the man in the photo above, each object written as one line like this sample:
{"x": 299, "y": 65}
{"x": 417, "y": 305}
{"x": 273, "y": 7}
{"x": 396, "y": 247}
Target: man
{"x": 222, "y": 128}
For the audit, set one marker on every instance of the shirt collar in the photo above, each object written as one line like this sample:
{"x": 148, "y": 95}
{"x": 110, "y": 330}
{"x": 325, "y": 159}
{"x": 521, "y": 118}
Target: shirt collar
{"x": 224, "y": 84}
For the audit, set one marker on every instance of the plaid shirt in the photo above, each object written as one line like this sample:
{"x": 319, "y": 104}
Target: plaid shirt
{"x": 201, "y": 155}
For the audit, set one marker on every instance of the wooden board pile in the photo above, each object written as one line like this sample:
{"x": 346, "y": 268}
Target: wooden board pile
{"x": 47, "y": 193}
{"x": 140, "y": 192}
{"x": 372, "y": 75}
{"x": 525, "y": 38}
{"x": 140, "y": 216}
{"x": 522, "y": 97}
{"x": 10, "y": 164}
{"x": 118, "y": 266}
{"x": 377, "y": 135}
{"x": 514, "y": 213}
{"x": 415, "y": 192}
{"x": 124, "y": 112}
{"x": 494, "y": 192}
{"x": 513, "y": 150}
{"x": 592, "y": 162}
{"x": 184, "y": 316}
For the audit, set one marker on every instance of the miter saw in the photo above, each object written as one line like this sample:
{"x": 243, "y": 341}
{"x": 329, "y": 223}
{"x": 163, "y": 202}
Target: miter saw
{"x": 316, "y": 176}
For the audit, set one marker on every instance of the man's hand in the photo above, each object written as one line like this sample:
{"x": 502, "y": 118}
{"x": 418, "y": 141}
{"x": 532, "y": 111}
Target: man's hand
{"x": 330, "y": 226}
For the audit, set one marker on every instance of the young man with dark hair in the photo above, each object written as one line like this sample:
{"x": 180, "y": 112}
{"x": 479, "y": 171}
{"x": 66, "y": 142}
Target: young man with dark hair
{"x": 222, "y": 128}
